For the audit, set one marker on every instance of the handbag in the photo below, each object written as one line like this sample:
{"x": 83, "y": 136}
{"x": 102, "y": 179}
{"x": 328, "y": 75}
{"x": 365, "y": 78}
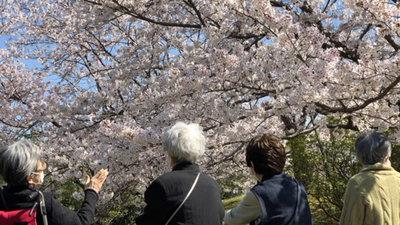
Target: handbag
{"x": 184, "y": 200}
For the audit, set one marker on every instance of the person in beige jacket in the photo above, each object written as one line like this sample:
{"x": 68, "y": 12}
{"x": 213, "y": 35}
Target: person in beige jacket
{"x": 373, "y": 195}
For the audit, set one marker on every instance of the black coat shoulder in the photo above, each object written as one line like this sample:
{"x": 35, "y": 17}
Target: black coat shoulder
{"x": 165, "y": 194}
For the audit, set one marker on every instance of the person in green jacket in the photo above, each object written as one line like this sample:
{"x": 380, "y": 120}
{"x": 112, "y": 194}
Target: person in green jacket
{"x": 372, "y": 195}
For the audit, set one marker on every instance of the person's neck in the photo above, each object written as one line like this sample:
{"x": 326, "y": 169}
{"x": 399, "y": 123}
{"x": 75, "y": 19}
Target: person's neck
{"x": 259, "y": 177}
{"x": 173, "y": 163}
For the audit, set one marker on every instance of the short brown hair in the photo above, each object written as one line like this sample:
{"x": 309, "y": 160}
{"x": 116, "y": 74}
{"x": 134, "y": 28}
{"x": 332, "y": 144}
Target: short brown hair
{"x": 267, "y": 154}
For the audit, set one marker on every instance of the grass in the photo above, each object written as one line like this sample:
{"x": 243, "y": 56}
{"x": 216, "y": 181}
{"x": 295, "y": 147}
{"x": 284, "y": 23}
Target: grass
{"x": 232, "y": 202}
{"x": 319, "y": 217}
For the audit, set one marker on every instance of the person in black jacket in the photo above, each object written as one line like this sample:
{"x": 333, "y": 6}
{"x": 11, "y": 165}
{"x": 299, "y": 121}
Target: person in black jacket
{"x": 184, "y": 145}
{"x": 22, "y": 168}
{"x": 276, "y": 199}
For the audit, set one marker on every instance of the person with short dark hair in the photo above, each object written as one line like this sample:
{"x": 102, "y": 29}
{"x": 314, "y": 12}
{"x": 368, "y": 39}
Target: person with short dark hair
{"x": 22, "y": 168}
{"x": 184, "y": 195}
{"x": 372, "y": 195}
{"x": 276, "y": 198}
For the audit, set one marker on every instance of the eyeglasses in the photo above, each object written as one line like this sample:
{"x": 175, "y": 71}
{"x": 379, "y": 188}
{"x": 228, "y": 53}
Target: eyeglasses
{"x": 37, "y": 173}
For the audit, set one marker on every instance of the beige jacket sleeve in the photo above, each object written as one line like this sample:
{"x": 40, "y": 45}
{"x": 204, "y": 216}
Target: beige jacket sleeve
{"x": 248, "y": 210}
{"x": 353, "y": 206}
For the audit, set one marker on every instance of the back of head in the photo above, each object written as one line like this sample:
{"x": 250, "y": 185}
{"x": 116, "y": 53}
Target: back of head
{"x": 17, "y": 161}
{"x": 372, "y": 147}
{"x": 267, "y": 154}
{"x": 185, "y": 142}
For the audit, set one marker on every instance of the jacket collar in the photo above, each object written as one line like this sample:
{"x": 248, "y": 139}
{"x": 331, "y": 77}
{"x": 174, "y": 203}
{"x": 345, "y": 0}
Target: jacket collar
{"x": 377, "y": 166}
{"x": 186, "y": 166}
{"x": 275, "y": 176}
{"x": 17, "y": 188}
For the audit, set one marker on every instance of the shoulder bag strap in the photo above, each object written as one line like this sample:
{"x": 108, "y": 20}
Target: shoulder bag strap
{"x": 184, "y": 200}
{"x": 296, "y": 211}
{"x": 2, "y": 199}
{"x": 42, "y": 205}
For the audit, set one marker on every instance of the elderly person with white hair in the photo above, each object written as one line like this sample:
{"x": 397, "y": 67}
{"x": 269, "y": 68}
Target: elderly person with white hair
{"x": 22, "y": 168}
{"x": 185, "y": 195}
{"x": 373, "y": 195}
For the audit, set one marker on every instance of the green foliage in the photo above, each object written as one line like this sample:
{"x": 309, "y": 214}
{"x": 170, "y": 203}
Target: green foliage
{"x": 324, "y": 168}
{"x": 65, "y": 193}
{"x": 232, "y": 202}
{"x": 298, "y": 160}
{"x": 395, "y": 157}
{"x": 122, "y": 211}
{"x": 231, "y": 185}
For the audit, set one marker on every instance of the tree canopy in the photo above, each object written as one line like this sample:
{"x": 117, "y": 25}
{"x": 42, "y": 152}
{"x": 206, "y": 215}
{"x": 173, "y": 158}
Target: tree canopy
{"x": 97, "y": 82}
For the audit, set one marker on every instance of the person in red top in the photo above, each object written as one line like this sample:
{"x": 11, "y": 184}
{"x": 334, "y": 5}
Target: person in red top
{"x": 22, "y": 168}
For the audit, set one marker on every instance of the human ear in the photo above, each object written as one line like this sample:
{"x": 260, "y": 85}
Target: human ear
{"x": 387, "y": 161}
{"x": 252, "y": 171}
{"x": 172, "y": 161}
{"x": 29, "y": 180}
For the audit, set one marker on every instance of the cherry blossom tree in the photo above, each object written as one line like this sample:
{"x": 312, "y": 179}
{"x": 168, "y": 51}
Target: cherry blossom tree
{"x": 97, "y": 82}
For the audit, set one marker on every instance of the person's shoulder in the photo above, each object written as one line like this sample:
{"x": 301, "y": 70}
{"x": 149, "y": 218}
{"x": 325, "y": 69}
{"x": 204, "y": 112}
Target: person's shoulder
{"x": 250, "y": 196}
{"x": 392, "y": 174}
{"x": 165, "y": 179}
{"x": 49, "y": 199}
{"x": 208, "y": 178}
{"x": 48, "y": 194}
{"x": 166, "y": 176}
{"x": 395, "y": 171}
{"x": 179, "y": 175}
{"x": 363, "y": 179}
{"x": 360, "y": 176}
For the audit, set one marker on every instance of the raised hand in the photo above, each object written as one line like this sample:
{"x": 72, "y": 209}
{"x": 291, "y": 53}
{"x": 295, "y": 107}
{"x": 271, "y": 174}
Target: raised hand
{"x": 97, "y": 180}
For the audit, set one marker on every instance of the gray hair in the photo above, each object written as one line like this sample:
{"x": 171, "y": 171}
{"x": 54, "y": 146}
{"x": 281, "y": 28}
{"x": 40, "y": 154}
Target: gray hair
{"x": 185, "y": 143}
{"x": 17, "y": 161}
{"x": 372, "y": 147}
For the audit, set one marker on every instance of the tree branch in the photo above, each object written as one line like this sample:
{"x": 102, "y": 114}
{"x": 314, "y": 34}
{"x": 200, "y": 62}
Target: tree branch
{"x": 324, "y": 109}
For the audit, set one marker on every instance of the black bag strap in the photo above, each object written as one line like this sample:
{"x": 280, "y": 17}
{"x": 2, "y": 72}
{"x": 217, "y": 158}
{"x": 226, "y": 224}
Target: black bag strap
{"x": 296, "y": 211}
{"x": 3, "y": 199}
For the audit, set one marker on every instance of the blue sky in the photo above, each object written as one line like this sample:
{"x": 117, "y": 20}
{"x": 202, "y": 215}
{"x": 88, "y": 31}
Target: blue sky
{"x": 29, "y": 63}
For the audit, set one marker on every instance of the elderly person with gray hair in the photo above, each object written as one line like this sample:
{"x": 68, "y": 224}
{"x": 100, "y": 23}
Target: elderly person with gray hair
{"x": 22, "y": 168}
{"x": 184, "y": 195}
{"x": 373, "y": 195}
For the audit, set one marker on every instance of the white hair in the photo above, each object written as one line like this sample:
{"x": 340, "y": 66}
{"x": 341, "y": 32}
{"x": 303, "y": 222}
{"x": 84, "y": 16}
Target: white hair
{"x": 17, "y": 161}
{"x": 185, "y": 142}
